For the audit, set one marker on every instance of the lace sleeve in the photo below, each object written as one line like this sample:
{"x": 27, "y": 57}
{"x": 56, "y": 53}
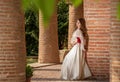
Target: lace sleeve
{"x": 73, "y": 39}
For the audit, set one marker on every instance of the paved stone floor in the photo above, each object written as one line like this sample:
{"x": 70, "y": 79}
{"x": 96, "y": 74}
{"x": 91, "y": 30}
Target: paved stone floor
{"x": 50, "y": 73}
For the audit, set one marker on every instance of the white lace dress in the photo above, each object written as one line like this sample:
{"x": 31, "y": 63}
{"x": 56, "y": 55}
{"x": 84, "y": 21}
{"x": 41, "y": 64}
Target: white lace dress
{"x": 74, "y": 66}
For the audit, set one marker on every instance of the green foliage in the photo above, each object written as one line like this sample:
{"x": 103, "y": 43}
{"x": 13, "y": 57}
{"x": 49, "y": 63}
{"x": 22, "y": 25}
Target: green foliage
{"x": 62, "y": 24}
{"x": 32, "y": 28}
{"x": 31, "y": 60}
{"x": 32, "y": 31}
{"x": 46, "y": 7}
{"x": 76, "y": 2}
{"x": 29, "y": 71}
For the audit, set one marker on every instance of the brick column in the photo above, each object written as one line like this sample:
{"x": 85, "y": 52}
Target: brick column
{"x": 74, "y": 14}
{"x": 12, "y": 42}
{"x": 114, "y": 44}
{"x": 48, "y": 41}
{"x": 98, "y": 22}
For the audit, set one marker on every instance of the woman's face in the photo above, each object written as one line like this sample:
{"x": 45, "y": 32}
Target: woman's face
{"x": 78, "y": 24}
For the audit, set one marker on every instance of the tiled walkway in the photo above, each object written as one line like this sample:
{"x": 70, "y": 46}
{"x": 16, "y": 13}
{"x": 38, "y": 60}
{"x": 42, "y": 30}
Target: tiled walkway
{"x": 50, "y": 73}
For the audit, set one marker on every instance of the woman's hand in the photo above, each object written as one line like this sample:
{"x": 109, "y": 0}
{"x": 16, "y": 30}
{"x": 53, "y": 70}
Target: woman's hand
{"x": 84, "y": 51}
{"x": 74, "y": 43}
{"x": 77, "y": 41}
{"x": 85, "y": 54}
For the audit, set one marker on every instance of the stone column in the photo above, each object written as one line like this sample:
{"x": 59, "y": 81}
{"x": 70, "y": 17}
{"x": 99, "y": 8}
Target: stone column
{"x": 74, "y": 14}
{"x": 12, "y": 42}
{"x": 48, "y": 40}
{"x": 114, "y": 43}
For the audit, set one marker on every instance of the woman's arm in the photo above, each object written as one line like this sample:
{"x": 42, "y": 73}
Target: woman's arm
{"x": 82, "y": 43}
{"x": 73, "y": 41}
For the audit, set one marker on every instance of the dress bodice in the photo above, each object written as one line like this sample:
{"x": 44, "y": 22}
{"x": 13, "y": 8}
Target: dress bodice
{"x": 78, "y": 33}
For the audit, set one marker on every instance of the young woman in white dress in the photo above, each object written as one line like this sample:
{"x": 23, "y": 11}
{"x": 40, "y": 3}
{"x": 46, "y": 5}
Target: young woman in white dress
{"x": 74, "y": 66}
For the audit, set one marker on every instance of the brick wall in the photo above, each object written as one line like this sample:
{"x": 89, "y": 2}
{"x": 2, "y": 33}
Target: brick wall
{"x": 12, "y": 42}
{"x": 97, "y": 14}
{"x": 115, "y": 44}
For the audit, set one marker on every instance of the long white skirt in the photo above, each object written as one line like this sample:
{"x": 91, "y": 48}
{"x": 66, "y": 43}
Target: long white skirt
{"x": 74, "y": 66}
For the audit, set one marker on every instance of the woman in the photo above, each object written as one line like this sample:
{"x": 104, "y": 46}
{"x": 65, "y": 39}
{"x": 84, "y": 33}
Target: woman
{"x": 74, "y": 66}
